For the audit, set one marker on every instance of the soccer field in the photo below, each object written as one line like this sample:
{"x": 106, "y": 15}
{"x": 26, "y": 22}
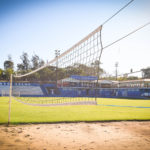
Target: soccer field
{"x": 107, "y": 110}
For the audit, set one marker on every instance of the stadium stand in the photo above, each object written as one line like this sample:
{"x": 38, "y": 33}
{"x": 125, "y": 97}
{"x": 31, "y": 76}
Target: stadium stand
{"x": 81, "y": 87}
{"x": 4, "y": 90}
{"x": 21, "y": 89}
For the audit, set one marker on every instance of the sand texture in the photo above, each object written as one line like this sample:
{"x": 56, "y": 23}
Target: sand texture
{"x": 124, "y": 135}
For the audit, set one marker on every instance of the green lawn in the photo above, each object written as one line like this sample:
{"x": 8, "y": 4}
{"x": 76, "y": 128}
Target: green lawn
{"x": 21, "y": 113}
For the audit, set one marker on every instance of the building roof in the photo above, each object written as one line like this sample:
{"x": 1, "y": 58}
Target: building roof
{"x": 77, "y": 81}
{"x": 88, "y": 78}
{"x": 131, "y": 81}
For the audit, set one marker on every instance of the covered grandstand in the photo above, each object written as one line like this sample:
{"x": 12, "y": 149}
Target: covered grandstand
{"x": 84, "y": 81}
{"x": 80, "y": 86}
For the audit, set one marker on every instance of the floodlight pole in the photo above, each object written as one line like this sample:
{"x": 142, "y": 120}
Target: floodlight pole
{"x": 116, "y": 65}
{"x": 57, "y": 53}
{"x": 10, "y": 94}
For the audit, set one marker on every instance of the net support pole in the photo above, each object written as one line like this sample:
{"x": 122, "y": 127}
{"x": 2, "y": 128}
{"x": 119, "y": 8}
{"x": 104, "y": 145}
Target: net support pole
{"x": 99, "y": 63}
{"x": 10, "y": 95}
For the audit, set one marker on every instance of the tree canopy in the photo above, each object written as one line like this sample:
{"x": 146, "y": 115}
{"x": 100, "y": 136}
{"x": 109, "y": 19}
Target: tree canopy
{"x": 52, "y": 73}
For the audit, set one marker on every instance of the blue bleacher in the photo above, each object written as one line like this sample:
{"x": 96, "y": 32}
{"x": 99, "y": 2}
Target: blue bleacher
{"x": 38, "y": 90}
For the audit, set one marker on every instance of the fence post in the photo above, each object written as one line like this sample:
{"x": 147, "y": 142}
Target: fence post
{"x": 10, "y": 94}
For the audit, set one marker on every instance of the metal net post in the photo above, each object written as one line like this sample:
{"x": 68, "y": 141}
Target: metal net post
{"x": 10, "y": 95}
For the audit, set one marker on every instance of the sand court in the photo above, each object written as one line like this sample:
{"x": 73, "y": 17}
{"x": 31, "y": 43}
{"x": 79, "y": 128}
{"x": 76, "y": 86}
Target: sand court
{"x": 124, "y": 135}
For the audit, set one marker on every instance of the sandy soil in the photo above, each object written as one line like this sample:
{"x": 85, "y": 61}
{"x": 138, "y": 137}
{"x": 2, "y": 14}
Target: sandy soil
{"x": 77, "y": 136}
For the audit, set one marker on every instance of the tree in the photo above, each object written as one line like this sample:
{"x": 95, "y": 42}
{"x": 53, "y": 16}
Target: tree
{"x": 35, "y": 61}
{"x": 72, "y": 70}
{"x": 1, "y": 74}
{"x": 47, "y": 74}
{"x": 8, "y": 69}
{"x": 146, "y": 72}
{"x": 132, "y": 78}
{"x": 20, "y": 68}
{"x": 25, "y": 65}
{"x": 84, "y": 70}
{"x": 95, "y": 68}
{"x": 61, "y": 73}
{"x": 8, "y": 64}
{"x": 7, "y": 73}
{"x": 41, "y": 63}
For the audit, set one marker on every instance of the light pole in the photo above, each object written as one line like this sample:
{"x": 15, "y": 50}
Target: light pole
{"x": 57, "y": 53}
{"x": 116, "y": 65}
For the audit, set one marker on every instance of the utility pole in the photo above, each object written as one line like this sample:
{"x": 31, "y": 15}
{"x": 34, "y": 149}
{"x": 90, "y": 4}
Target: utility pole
{"x": 116, "y": 65}
{"x": 57, "y": 53}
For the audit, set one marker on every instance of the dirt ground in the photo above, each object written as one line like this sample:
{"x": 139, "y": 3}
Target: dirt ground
{"x": 125, "y": 135}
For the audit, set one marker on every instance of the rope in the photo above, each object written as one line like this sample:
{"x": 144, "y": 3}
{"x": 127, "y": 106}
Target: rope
{"x": 127, "y": 35}
{"x": 118, "y": 12}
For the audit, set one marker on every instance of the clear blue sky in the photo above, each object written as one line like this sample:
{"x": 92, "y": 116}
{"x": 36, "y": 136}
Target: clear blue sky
{"x": 41, "y": 26}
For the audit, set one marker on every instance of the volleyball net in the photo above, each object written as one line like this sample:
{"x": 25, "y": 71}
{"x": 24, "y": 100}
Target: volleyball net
{"x": 76, "y": 72}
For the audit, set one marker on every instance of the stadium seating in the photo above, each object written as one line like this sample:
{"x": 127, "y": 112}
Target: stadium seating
{"x": 28, "y": 90}
{"x": 4, "y": 90}
{"x": 22, "y": 90}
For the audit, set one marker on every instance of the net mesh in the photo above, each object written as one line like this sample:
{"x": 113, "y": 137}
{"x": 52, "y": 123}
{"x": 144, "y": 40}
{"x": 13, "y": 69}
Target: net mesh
{"x": 76, "y": 74}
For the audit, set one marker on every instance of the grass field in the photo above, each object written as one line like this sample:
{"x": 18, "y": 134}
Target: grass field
{"x": 120, "y": 110}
